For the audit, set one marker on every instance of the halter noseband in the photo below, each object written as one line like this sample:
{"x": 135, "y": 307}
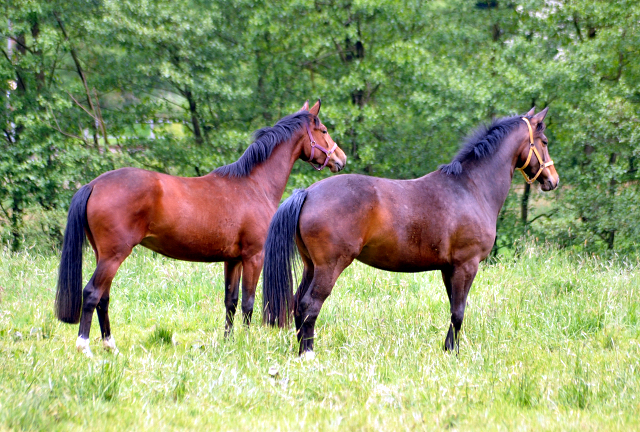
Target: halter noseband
{"x": 315, "y": 146}
{"x": 533, "y": 149}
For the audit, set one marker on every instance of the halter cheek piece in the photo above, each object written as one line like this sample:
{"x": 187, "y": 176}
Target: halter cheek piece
{"x": 533, "y": 149}
{"x": 315, "y": 146}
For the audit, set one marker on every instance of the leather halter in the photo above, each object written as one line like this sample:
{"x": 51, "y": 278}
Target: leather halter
{"x": 322, "y": 149}
{"x": 533, "y": 149}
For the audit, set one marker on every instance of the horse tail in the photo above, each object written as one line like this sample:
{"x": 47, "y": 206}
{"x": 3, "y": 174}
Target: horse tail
{"x": 69, "y": 293}
{"x": 279, "y": 254}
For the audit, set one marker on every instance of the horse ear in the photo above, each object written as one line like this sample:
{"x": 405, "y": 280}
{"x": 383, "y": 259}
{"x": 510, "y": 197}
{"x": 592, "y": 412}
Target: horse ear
{"x": 538, "y": 118}
{"x": 305, "y": 107}
{"x": 315, "y": 109}
{"x": 531, "y": 112}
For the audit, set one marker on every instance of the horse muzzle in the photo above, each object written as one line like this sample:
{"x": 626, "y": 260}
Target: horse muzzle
{"x": 338, "y": 165}
{"x": 550, "y": 184}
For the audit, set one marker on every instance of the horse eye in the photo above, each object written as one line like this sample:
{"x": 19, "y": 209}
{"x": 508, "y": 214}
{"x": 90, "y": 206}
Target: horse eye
{"x": 324, "y": 132}
{"x": 545, "y": 142}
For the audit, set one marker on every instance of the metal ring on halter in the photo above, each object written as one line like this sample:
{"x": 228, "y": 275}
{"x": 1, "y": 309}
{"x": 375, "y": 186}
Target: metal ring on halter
{"x": 533, "y": 149}
{"x": 322, "y": 149}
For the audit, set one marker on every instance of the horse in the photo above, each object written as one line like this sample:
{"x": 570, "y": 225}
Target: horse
{"x": 445, "y": 220}
{"x": 222, "y": 216}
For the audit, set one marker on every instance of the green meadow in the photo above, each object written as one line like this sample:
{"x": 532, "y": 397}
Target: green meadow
{"x": 551, "y": 341}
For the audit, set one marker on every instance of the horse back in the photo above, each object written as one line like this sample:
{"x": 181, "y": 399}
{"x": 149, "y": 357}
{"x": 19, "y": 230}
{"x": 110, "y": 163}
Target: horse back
{"x": 198, "y": 219}
{"x": 397, "y": 225}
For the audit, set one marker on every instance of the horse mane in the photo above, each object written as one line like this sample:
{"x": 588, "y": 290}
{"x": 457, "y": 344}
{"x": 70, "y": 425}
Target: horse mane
{"x": 483, "y": 142}
{"x": 264, "y": 141}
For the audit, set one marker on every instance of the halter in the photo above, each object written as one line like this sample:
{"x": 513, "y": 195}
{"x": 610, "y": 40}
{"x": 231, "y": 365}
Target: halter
{"x": 315, "y": 146}
{"x": 533, "y": 149}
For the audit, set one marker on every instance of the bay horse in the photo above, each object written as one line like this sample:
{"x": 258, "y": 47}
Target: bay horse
{"x": 443, "y": 221}
{"x": 222, "y": 216}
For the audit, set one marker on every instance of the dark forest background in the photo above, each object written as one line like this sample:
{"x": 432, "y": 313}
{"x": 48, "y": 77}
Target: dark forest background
{"x": 178, "y": 87}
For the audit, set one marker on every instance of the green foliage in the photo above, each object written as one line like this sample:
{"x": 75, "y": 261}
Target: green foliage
{"x": 160, "y": 335}
{"x": 179, "y": 87}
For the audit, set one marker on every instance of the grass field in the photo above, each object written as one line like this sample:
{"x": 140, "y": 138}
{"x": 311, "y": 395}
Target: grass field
{"x": 551, "y": 341}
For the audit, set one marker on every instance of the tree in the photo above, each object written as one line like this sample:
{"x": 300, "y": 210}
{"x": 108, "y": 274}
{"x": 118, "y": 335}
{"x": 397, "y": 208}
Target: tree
{"x": 178, "y": 87}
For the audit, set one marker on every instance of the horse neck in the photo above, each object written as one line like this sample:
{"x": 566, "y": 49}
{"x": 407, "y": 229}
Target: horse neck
{"x": 492, "y": 176}
{"x": 272, "y": 174}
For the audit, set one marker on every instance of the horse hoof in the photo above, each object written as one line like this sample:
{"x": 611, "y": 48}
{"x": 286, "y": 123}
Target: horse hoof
{"x": 308, "y": 356}
{"x": 82, "y": 345}
{"x": 109, "y": 344}
{"x": 448, "y": 346}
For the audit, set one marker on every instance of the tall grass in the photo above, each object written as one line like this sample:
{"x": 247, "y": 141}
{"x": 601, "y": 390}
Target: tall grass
{"x": 551, "y": 340}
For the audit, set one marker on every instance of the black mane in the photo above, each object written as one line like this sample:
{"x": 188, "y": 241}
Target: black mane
{"x": 265, "y": 140}
{"x": 482, "y": 143}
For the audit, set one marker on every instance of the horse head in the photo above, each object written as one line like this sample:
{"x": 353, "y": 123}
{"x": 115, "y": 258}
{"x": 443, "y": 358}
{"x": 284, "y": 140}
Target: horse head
{"x": 328, "y": 153}
{"x": 534, "y": 161}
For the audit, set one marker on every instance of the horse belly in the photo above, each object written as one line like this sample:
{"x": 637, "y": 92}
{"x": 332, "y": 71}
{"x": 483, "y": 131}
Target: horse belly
{"x": 195, "y": 242}
{"x": 202, "y": 251}
{"x": 401, "y": 258}
{"x": 402, "y": 242}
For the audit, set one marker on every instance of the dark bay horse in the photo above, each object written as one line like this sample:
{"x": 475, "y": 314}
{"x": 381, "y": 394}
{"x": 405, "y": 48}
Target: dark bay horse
{"x": 443, "y": 221}
{"x": 222, "y": 216}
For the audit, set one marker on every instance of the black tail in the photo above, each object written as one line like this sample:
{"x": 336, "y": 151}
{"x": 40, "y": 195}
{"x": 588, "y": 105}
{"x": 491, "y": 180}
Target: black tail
{"x": 69, "y": 294}
{"x": 279, "y": 253}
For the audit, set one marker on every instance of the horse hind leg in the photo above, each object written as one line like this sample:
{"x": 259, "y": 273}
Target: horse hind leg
{"x": 232, "y": 272}
{"x": 251, "y": 268}
{"x": 102, "y": 310}
{"x": 308, "y": 309}
{"x": 310, "y": 303}
{"x": 96, "y": 296}
{"x": 458, "y": 280}
{"x": 305, "y": 283}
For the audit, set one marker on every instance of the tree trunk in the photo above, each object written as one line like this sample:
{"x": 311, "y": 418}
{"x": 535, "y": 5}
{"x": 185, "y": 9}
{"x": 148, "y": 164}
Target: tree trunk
{"x": 499, "y": 222}
{"x": 352, "y": 52}
{"x": 97, "y": 121}
{"x": 40, "y": 78}
{"x": 16, "y": 197}
{"x": 610, "y": 239}
{"x": 524, "y": 205}
{"x": 197, "y": 133}
{"x": 610, "y": 235}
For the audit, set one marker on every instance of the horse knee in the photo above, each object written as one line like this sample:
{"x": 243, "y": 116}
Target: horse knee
{"x": 303, "y": 305}
{"x": 90, "y": 298}
{"x": 308, "y": 311}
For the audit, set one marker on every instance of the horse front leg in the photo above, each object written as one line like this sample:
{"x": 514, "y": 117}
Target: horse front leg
{"x": 458, "y": 279}
{"x": 232, "y": 272}
{"x": 251, "y": 268}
